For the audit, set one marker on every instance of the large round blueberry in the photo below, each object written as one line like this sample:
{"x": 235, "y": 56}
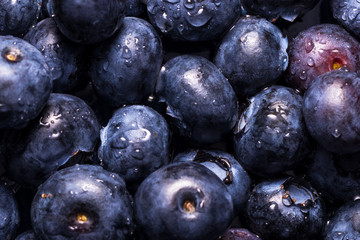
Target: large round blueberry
{"x": 271, "y": 136}
{"x": 345, "y": 222}
{"x": 125, "y": 68}
{"x": 9, "y": 214}
{"x": 285, "y": 209}
{"x": 347, "y": 14}
{"x": 273, "y": 9}
{"x": 335, "y": 176}
{"x": 83, "y": 202}
{"x": 191, "y": 20}
{"x": 134, "y": 143}
{"x": 25, "y": 82}
{"x": 67, "y": 126}
{"x": 252, "y": 55}
{"x": 200, "y": 101}
{"x": 227, "y": 168}
{"x": 16, "y": 17}
{"x": 332, "y": 112}
{"x": 89, "y": 21}
{"x": 320, "y": 49}
{"x": 181, "y": 201}
{"x": 65, "y": 59}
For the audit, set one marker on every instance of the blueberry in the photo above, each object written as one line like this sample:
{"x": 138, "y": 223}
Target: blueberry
{"x": 190, "y": 20}
{"x": 335, "y": 176}
{"x": 27, "y": 235}
{"x": 331, "y": 111}
{"x": 9, "y": 214}
{"x": 201, "y": 103}
{"x": 25, "y": 83}
{"x": 83, "y": 202}
{"x": 239, "y": 234}
{"x": 89, "y": 21}
{"x": 16, "y": 17}
{"x": 134, "y": 143}
{"x": 66, "y": 127}
{"x": 181, "y": 201}
{"x": 125, "y": 68}
{"x": 134, "y": 8}
{"x": 227, "y": 168}
{"x": 273, "y": 9}
{"x": 285, "y": 208}
{"x": 252, "y": 55}
{"x": 320, "y": 49}
{"x": 271, "y": 136}
{"x": 66, "y": 60}
{"x": 345, "y": 222}
{"x": 346, "y": 13}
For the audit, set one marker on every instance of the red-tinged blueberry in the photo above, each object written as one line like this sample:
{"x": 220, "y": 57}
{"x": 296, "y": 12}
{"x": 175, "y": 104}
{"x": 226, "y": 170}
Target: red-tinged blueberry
{"x": 239, "y": 234}
{"x": 252, "y": 55}
{"x": 320, "y": 49}
{"x": 183, "y": 201}
{"x": 66, "y": 59}
{"x": 134, "y": 143}
{"x": 83, "y": 202}
{"x": 9, "y": 214}
{"x": 124, "y": 69}
{"x": 17, "y": 17}
{"x": 87, "y": 22}
{"x": 332, "y": 111}
{"x": 273, "y": 9}
{"x": 65, "y": 128}
{"x": 345, "y": 222}
{"x": 25, "y": 83}
{"x": 201, "y": 103}
{"x": 286, "y": 208}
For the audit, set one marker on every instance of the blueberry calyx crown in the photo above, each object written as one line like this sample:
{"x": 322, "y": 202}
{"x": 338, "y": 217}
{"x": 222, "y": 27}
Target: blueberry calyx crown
{"x": 12, "y": 55}
{"x": 82, "y": 221}
{"x": 223, "y": 163}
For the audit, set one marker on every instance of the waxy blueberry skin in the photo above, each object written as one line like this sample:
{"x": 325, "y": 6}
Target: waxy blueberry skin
{"x": 87, "y": 22}
{"x": 25, "y": 83}
{"x": 183, "y": 201}
{"x": 134, "y": 143}
{"x": 332, "y": 112}
{"x": 9, "y": 214}
{"x": 66, "y": 127}
{"x": 201, "y": 103}
{"x": 252, "y": 55}
{"x": 190, "y": 20}
{"x": 83, "y": 202}
{"x": 17, "y": 17}
{"x": 125, "y": 68}
{"x": 239, "y": 234}
{"x": 346, "y": 14}
{"x": 66, "y": 59}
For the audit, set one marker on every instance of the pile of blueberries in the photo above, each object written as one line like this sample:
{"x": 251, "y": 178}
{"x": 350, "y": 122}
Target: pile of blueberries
{"x": 179, "y": 119}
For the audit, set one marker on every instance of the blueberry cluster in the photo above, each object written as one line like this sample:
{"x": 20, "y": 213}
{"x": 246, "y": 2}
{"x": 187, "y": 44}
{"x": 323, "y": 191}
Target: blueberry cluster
{"x": 179, "y": 119}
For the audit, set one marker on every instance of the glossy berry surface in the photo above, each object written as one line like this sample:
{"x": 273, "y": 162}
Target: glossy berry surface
{"x": 346, "y": 13}
{"x": 134, "y": 143}
{"x": 273, "y": 9}
{"x": 285, "y": 209}
{"x": 331, "y": 111}
{"x": 125, "y": 68}
{"x": 183, "y": 201}
{"x": 190, "y": 20}
{"x": 227, "y": 168}
{"x": 70, "y": 205}
{"x": 239, "y": 234}
{"x": 271, "y": 136}
{"x": 252, "y": 55}
{"x": 64, "y": 58}
{"x": 200, "y": 101}
{"x": 9, "y": 214}
{"x": 87, "y": 22}
{"x": 66, "y": 127}
{"x": 320, "y": 49}
{"x": 25, "y": 83}
{"x": 345, "y": 222}
{"x": 17, "y": 17}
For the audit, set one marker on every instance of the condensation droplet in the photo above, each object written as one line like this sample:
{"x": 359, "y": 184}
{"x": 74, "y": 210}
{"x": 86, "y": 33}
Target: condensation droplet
{"x": 336, "y": 133}
{"x": 303, "y": 75}
{"x": 310, "y": 62}
{"x": 309, "y": 46}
